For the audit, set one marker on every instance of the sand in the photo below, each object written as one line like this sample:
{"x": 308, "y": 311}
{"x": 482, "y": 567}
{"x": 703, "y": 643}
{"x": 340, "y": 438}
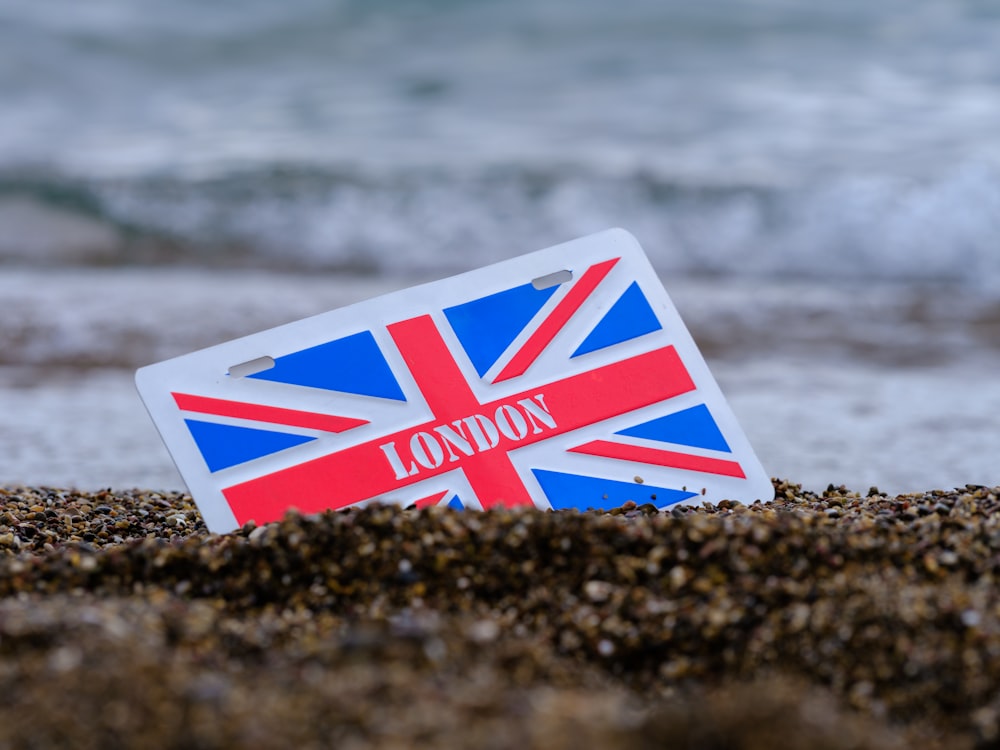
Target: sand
{"x": 816, "y": 621}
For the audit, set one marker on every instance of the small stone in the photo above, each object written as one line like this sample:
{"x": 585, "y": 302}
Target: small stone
{"x": 257, "y": 533}
{"x": 484, "y": 631}
{"x": 598, "y": 591}
{"x": 971, "y": 618}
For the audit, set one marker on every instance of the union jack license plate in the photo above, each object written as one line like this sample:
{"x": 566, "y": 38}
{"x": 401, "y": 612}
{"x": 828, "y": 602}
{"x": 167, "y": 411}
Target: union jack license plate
{"x": 560, "y": 379}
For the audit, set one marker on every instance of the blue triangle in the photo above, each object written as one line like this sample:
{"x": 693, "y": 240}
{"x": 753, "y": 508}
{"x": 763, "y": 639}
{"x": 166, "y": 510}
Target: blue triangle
{"x": 630, "y": 317}
{"x": 694, "y": 427}
{"x": 456, "y": 503}
{"x": 486, "y": 326}
{"x": 224, "y": 445}
{"x": 582, "y": 492}
{"x": 353, "y": 364}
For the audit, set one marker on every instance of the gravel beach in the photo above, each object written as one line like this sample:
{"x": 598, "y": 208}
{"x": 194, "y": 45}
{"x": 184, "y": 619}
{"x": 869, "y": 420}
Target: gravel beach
{"x": 838, "y": 620}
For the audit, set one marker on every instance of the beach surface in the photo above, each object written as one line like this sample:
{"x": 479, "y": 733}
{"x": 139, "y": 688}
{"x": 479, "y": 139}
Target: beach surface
{"x": 814, "y": 621}
{"x": 818, "y": 188}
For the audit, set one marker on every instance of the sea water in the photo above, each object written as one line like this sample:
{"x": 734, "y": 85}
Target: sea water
{"x": 818, "y": 187}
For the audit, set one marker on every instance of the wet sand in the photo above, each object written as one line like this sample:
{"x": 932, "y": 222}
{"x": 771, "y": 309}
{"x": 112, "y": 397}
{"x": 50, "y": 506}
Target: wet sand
{"x": 832, "y": 621}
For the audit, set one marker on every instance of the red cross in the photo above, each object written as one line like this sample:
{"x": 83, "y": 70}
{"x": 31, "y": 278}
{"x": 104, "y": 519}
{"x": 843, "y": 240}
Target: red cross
{"x": 362, "y": 471}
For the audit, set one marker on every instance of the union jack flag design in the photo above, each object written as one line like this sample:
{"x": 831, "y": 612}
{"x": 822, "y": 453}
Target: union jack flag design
{"x": 560, "y": 379}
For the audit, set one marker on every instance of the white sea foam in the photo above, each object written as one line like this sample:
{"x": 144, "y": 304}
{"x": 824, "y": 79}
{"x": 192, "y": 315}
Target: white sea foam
{"x": 860, "y": 227}
{"x": 732, "y": 137}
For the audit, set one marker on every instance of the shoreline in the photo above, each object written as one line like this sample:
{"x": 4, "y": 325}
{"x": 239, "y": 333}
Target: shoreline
{"x": 830, "y": 381}
{"x": 832, "y": 620}
{"x": 818, "y": 421}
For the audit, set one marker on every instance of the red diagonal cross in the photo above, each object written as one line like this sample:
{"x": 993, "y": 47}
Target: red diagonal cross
{"x": 363, "y": 471}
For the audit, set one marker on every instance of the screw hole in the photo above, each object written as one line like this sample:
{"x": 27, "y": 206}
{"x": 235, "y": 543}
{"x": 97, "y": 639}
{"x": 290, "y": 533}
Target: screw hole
{"x": 251, "y": 367}
{"x": 552, "y": 279}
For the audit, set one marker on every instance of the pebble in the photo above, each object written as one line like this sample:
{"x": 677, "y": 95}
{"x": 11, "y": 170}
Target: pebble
{"x": 830, "y": 620}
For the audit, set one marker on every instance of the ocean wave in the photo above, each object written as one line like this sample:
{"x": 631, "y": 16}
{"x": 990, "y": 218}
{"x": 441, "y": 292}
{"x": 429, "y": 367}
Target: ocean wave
{"x": 436, "y": 222}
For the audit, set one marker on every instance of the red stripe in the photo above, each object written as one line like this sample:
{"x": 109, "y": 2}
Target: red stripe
{"x": 433, "y": 367}
{"x": 558, "y": 318}
{"x": 271, "y": 414}
{"x": 497, "y": 483}
{"x": 672, "y": 459}
{"x": 426, "y": 502}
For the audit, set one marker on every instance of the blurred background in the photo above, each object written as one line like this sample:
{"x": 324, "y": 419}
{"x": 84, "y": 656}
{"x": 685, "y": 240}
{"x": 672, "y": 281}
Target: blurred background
{"x": 818, "y": 186}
